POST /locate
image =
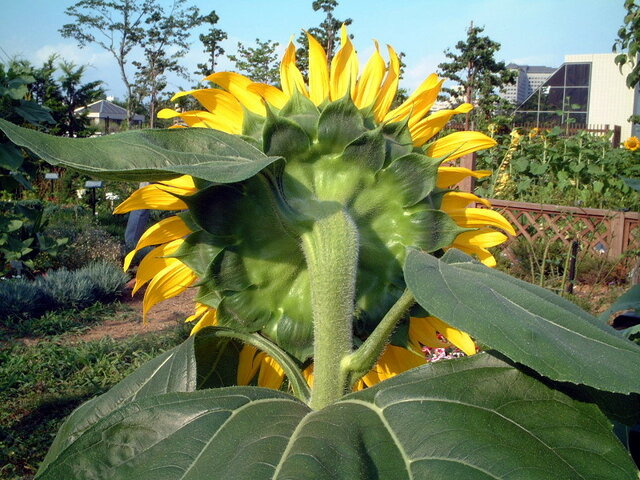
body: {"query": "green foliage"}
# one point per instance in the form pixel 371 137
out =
pixel 164 43
pixel 259 63
pixel 627 45
pixel 23 238
pixel 310 245
pixel 211 42
pixel 477 75
pixel 583 170
pixel 363 435
pixel 41 384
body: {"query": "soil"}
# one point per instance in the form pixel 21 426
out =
pixel 162 316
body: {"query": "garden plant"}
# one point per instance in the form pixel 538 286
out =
pixel 332 261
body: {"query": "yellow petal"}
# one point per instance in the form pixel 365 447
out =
pixel 418 104
pixel 449 176
pixel 428 127
pixel 484 237
pixel 458 144
pixel 155 261
pixel 393 361
pixel 201 309
pixel 228 121
pixel 389 87
pixel 476 243
pixel 209 319
pixel 482 253
pixel 169 282
pixel 318 72
pixel 185 183
pixel 307 373
pixel 424 330
pixel 152 197
pixel 237 85
pixel 248 364
pixel 164 231
pixel 368 86
pixel 290 77
pixel 272 95
pixel 217 101
pixel 480 217
pixel 344 69
pixel 456 200
pixel 271 373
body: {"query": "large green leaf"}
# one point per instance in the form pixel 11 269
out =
pixel 474 418
pixel 202 361
pixel 528 324
pixel 148 154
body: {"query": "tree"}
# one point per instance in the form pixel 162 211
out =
pixel 211 42
pixel 326 33
pixel 116 26
pixel 477 74
pixel 628 42
pixel 164 31
pixel 260 63
pixel 73 95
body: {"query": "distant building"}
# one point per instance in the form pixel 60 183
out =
pixel 586 90
pixel 528 79
pixel 108 117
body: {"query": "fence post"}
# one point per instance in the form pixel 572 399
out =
pixel 468 184
pixel 616 226
pixel 615 140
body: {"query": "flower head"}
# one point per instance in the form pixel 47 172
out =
pixel 343 147
pixel 632 143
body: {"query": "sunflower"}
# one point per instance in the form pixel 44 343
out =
pixel 344 147
pixel 632 143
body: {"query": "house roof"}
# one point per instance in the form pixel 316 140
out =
pixel 106 109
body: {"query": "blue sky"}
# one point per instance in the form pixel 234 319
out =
pixel 534 32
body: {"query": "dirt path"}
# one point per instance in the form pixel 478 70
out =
pixel 162 316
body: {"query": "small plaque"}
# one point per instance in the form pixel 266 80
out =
pixel 93 184
pixel 51 176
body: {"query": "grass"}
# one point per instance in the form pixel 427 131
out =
pixel 62 321
pixel 41 384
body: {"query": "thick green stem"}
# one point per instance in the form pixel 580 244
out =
pixel 362 360
pixel 331 252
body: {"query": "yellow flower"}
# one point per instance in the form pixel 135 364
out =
pixel 632 143
pixel 373 90
pixel 534 132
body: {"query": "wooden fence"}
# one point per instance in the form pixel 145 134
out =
pixel 607 232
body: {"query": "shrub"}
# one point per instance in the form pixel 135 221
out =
pixel 61 289
pixel 92 245
pixel 20 297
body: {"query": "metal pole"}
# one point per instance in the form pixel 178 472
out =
pixel 572 265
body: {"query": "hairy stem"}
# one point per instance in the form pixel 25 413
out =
pixel 331 252
pixel 362 360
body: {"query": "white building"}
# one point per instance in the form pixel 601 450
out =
pixel 587 89
pixel 528 79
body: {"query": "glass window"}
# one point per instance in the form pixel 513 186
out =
pixel 549 119
pixel 557 79
pixel 530 104
pixel 577 99
pixel 578 74
pixel 579 119
pixel 551 98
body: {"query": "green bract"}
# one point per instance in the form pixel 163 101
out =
pixel 334 160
